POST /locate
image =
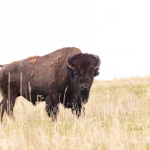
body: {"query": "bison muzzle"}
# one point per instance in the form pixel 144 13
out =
pixel 63 76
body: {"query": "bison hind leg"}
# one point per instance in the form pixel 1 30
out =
pixel 51 110
pixel 10 106
pixel 49 106
pixel 2 108
pixel 55 113
pixel 7 106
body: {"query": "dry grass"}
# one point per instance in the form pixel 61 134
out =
pixel 117 118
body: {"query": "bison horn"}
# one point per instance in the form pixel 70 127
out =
pixel 69 66
pixel 99 62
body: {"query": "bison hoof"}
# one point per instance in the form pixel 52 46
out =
pixel 55 113
pixel 54 118
pixel 12 118
pixel 76 112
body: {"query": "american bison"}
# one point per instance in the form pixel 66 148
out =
pixel 63 76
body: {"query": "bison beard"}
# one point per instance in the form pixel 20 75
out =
pixel 64 76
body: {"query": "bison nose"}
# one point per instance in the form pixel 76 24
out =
pixel 85 88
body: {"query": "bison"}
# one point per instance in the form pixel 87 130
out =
pixel 63 76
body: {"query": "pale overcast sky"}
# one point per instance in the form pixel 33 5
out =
pixel 117 31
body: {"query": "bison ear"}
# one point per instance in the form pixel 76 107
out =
pixel 96 68
pixel 96 72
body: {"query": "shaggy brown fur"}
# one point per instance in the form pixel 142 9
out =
pixel 50 77
pixel 83 62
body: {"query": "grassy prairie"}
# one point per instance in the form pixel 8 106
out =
pixel 117 118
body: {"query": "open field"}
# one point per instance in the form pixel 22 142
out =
pixel 117 118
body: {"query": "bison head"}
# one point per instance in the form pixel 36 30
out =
pixel 82 68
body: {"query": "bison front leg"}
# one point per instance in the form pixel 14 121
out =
pixel 76 109
pixel 52 106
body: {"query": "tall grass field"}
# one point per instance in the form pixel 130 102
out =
pixel 117 117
